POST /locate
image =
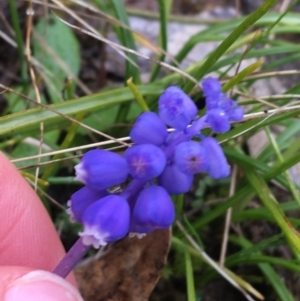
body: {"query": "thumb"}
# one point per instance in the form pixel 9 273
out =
pixel 18 283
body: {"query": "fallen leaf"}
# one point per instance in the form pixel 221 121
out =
pixel 129 271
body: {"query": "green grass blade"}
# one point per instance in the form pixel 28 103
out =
pixel 164 11
pixel 127 39
pixel 138 96
pixel 240 76
pixel 270 274
pixel 266 196
pixel 213 58
pixel 246 192
pixel 52 115
pixel 189 277
pixel 292 265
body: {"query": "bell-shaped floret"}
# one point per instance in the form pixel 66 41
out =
pixel 101 169
pixel 175 181
pixel 190 157
pixel 81 199
pixel 218 120
pixel 145 161
pixel 212 102
pixel 153 209
pixel 211 87
pixel 106 220
pixel 227 104
pixel 149 128
pixel 218 166
pixel 236 114
pixel 176 109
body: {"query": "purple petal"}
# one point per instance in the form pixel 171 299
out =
pixel 81 199
pixel 146 161
pixel 106 220
pixel 154 209
pixel 236 114
pixel 227 105
pixel 176 109
pixel 211 87
pixel 101 169
pixel 218 166
pixel 175 181
pixel 190 157
pixel 149 128
pixel 218 120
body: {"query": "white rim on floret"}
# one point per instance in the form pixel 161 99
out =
pixel 80 173
pixel 135 234
pixel 92 236
pixel 70 212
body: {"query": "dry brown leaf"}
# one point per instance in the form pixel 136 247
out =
pixel 128 272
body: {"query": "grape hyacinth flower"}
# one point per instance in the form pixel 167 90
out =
pixel 176 109
pixel 220 109
pixel 153 210
pixel 158 165
pixel 81 199
pixel 106 220
pixel 101 169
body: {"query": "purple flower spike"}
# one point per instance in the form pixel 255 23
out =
pixel 211 87
pixel 81 199
pixel 101 169
pixel 218 166
pixel 149 128
pixel 146 161
pixel 153 209
pixel 176 109
pixel 190 157
pixel 218 120
pixel 175 181
pixel 106 220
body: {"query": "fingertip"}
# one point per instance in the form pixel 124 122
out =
pixel 40 285
pixel 27 234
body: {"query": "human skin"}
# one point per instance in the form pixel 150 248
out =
pixel 29 244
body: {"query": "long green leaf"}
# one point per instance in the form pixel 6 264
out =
pixel 127 40
pixel 270 274
pixel 269 201
pixel 30 119
pixel 213 58
pixel 164 10
pixel 245 192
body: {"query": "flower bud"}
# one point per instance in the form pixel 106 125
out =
pixel 81 199
pixel 227 104
pixel 106 220
pixel 153 209
pixel 176 109
pixel 175 181
pixel 236 114
pixel 211 87
pixel 190 157
pixel 101 169
pixel 145 161
pixel 212 102
pixel 218 120
pixel 218 167
pixel 149 128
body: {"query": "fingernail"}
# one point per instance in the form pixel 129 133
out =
pixel 41 285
